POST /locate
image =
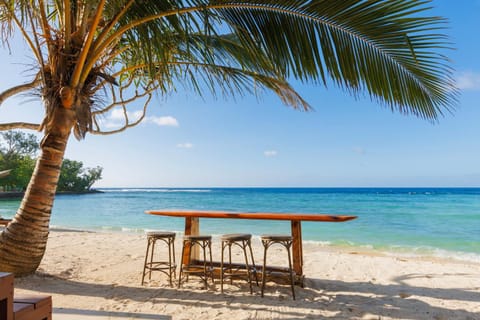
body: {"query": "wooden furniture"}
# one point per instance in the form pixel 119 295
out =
pixel 228 270
pixel 4 222
pixel 24 307
pixel 286 242
pixel 192 226
pixel 6 296
pixel 189 266
pixel 166 266
pixel 32 308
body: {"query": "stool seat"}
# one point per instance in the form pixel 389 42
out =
pixel 161 234
pixel 276 237
pixel 236 237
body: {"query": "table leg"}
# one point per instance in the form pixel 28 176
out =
pixel 297 250
pixel 192 227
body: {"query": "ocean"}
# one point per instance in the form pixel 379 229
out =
pixel 442 222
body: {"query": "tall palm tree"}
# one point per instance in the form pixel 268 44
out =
pixel 94 57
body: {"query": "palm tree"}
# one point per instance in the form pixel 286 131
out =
pixel 94 57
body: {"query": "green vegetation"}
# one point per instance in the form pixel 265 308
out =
pixel 75 178
pixel 18 152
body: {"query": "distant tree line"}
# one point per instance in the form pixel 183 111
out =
pixel 18 152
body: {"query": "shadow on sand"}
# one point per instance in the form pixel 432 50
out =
pixel 336 299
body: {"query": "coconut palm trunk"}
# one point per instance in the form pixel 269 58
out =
pixel 24 240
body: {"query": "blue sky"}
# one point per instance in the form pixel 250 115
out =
pixel 345 142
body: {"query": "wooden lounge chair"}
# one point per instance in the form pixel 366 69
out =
pixel 4 222
pixel 26 307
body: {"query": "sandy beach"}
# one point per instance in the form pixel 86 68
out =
pixel 93 275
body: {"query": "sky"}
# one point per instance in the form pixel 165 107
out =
pixel 187 141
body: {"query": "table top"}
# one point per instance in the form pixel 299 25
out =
pixel 253 215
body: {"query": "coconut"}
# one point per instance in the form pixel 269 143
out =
pixel 66 95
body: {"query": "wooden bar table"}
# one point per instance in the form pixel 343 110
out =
pixel 192 226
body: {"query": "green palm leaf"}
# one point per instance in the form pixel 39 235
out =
pixel 384 48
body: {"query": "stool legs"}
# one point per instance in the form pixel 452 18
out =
pixel 254 268
pixel 286 243
pixel 243 244
pixel 180 273
pixel 290 269
pixel 206 270
pixel 167 267
pixel 145 263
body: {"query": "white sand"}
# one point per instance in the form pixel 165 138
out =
pixel 97 276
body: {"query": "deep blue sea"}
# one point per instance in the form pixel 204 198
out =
pixel 425 221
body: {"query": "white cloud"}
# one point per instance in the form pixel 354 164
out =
pixel 468 80
pixel 116 114
pixel 270 153
pixel 186 145
pixel 163 121
pixel 116 119
pixel 110 124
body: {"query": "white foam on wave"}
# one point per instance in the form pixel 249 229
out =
pixel 321 243
pixel 389 250
pixel 402 251
pixel 424 251
pixel 435 253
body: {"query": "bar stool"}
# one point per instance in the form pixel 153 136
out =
pixel 243 241
pixel 167 267
pixel 285 241
pixel 201 270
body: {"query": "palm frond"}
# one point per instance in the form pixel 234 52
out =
pixel 232 82
pixel 227 69
pixel 382 47
pixel 387 49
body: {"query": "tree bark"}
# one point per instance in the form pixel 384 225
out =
pixel 24 240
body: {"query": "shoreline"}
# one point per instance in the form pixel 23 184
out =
pixel 96 275
pixel 393 251
pixel 407 252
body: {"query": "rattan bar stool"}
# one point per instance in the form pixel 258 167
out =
pixel 204 269
pixel 285 241
pixel 167 267
pixel 231 271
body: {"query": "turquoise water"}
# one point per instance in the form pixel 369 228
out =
pixel 433 221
